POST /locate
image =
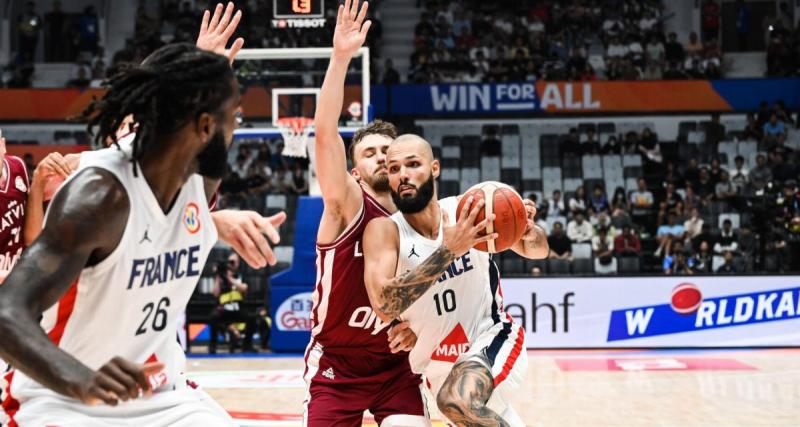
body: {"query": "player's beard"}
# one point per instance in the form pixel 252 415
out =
pixel 212 162
pixel 380 183
pixel 416 203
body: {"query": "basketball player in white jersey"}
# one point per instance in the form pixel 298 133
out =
pixel 420 269
pixel 123 245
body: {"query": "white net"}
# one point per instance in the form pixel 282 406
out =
pixel 296 132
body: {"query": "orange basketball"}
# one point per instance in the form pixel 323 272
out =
pixel 510 215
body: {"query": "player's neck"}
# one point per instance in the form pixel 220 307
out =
pixel 426 221
pixel 161 169
pixel 383 198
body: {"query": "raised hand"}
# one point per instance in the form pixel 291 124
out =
pixel 351 30
pixel 214 34
pixel 465 234
pixel 245 231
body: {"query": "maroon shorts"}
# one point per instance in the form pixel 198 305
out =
pixel 340 387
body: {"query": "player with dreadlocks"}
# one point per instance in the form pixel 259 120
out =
pixel 123 245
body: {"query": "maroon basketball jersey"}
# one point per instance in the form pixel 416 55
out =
pixel 13 196
pixel 342 316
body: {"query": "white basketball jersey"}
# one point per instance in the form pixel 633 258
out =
pixel 129 304
pixel 455 310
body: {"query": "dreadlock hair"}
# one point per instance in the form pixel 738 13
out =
pixel 172 86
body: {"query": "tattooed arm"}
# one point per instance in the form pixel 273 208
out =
pixel 391 294
pixel 533 244
pixel 86 222
pixel 464 395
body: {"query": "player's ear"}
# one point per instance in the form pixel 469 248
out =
pixel 205 125
pixel 355 174
pixel 435 168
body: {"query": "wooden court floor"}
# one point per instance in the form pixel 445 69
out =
pixel 566 388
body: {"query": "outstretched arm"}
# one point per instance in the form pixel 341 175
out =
pixel 391 294
pixel 340 192
pixel 82 229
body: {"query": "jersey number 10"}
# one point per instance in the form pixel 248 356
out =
pixel 446 301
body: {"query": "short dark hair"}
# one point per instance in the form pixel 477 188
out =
pixel 376 127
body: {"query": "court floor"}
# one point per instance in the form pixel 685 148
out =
pixel 565 388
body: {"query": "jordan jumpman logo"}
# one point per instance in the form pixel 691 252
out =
pixel 413 252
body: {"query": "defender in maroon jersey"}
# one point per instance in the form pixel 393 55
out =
pixel 350 367
pixel 14 187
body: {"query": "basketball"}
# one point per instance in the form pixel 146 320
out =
pixel 686 298
pixel 510 215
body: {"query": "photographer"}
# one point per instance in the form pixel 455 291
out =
pixel 229 291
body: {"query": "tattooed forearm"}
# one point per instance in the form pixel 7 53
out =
pixel 464 394
pixel 539 238
pixel 403 290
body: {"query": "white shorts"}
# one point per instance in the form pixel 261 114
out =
pixel 186 407
pixel 502 350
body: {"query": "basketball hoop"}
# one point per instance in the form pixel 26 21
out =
pixel 296 132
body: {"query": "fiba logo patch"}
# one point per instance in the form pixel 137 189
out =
pixel 20 184
pixel 191 218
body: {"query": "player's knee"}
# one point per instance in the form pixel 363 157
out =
pixel 406 421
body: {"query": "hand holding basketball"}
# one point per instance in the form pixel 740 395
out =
pixel 118 380
pixel 351 30
pixel 466 234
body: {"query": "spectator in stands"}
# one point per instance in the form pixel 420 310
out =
pixel 692 173
pixel 619 201
pixel 598 201
pixel 715 131
pixel 748 246
pixel 727 240
pixel 631 143
pixel 390 75
pixel 774 130
pixel 710 20
pixel 299 184
pixel 490 146
pixel 281 181
pixel 776 248
pixel 230 290
pixel 705 187
pixel 715 171
pixel 693 46
pixel 675 260
pixel 673 72
pixel 671 197
pixel 556 205
pixel 671 230
pixel 82 76
pixel 694 225
pixel 674 52
pixel 728 267
pixel 761 174
pixel 725 190
pixel 90 31
pixel 752 130
pixel 652 71
pixel 560 244
pixel 627 243
pixel 55 30
pixel 742 24
pixel 603 252
pixel 579 230
pixel 672 175
pixel 578 202
pixel 701 259
pixel 642 203
pixel 781 171
pixel 28 27
pixel 739 174
pixel 603 220
pixel 590 144
pixel 691 199
pixel 655 51
pixel 612 146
